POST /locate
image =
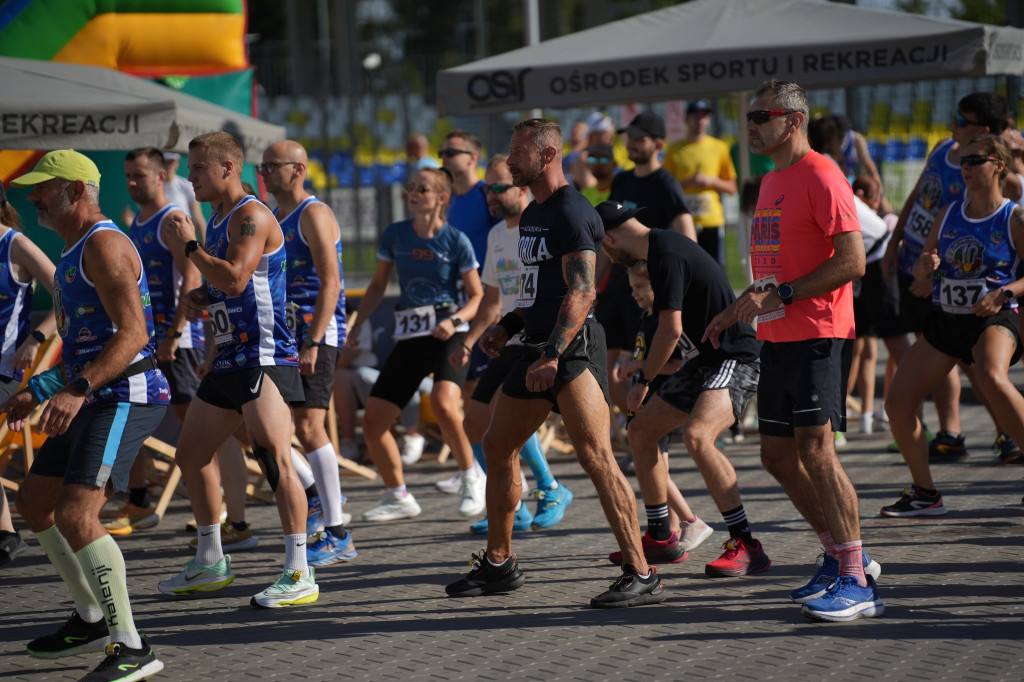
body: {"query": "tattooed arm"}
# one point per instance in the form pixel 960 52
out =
pixel 578 272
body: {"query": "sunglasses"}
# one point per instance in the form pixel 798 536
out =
pixel 418 189
pixel 598 159
pixel 451 153
pixel 271 166
pixel 763 115
pixel 498 188
pixel 962 121
pixel 973 160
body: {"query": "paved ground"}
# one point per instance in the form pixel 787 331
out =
pixel 953 589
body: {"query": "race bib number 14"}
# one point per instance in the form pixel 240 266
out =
pixel 527 286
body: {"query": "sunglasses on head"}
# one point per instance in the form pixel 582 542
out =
pixel 598 159
pixel 962 121
pixel 418 189
pixel 498 188
pixel 764 115
pixel 450 153
pixel 973 160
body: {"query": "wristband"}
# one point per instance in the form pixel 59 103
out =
pixel 512 323
pixel 46 384
pixel 640 379
pixel 38 336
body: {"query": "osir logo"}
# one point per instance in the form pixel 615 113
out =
pixel 497 86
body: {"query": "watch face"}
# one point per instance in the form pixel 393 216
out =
pixel 550 352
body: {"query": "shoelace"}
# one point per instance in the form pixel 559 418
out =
pixel 839 585
pixel 624 581
pixel 731 547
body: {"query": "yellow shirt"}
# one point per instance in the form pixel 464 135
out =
pixel 709 156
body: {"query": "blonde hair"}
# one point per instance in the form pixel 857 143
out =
pixel 221 146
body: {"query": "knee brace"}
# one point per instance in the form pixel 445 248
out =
pixel 264 456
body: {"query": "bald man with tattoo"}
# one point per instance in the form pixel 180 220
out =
pixel 563 369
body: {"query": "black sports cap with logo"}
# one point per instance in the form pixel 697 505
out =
pixel 646 124
pixel 613 213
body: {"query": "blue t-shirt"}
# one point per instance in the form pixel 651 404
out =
pixel 468 213
pixel 86 329
pixel 163 278
pixel 304 282
pixel 15 309
pixel 429 270
pixel 250 329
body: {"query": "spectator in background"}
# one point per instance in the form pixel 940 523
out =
pixel 417 153
pixel 179 192
pixel 854 158
pixel 600 159
pixel 703 167
pixel 600 130
pixel 575 147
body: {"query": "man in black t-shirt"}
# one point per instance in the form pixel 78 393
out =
pixel 562 368
pixel 707 394
pixel 653 188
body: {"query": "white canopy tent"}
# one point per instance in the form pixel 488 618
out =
pixel 52 105
pixel 715 47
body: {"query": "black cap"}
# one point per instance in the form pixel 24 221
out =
pixel 614 214
pixel 601 149
pixel 646 124
pixel 697 105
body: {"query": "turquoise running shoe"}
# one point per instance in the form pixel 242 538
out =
pixel 551 506
pixel 523 521
pixel 199 578
pixel 291 589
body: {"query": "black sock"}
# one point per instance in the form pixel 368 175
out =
pixel 337 531
pixel 240 525
pixel 138 496
pixel 736 520
pixel 927 492
pixel 657 521
pixel 311 491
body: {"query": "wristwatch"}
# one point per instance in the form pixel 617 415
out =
pixel 640 379
pixel 40 337
pixel 190 247
pixel 785 292
pixel 175 334
pixel 455 320
pixel 310 341
pixel 82 385
pixel 549 351
pixel 1008 295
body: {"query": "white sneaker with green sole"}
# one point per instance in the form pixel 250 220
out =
pixel 291 589
pixel 198 577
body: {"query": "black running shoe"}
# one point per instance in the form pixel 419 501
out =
pixel 947 447
pixel 631 590
pixel 123 664
pixel 1008 451
pixel 486 579
pixel 12 545
pixel 73 638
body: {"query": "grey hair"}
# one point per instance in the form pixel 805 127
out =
pixel 543 132
pixel 787 95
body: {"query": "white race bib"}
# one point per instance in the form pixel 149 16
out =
pixel 768 284
pixel 220 322
pixel 291 316
pixel 919 224
pixel 527 293
pixel 958 296
pixel 687 347
pixel 415 322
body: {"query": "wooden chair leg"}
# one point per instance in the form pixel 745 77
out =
pixel 170 487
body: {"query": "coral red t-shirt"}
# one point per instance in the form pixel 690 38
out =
pixel 799 211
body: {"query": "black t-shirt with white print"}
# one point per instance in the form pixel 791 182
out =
pixel 684 277
pixel 565 222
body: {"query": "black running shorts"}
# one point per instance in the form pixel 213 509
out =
pixel 803 383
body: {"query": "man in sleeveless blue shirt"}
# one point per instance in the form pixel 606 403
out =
pixel 255 372
pixel 316 317
pixel 104 400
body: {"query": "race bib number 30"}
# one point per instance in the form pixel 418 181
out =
pixel 768 284
pixel 220 323
pixel 527 286
pixel 414 322
pixel 958 296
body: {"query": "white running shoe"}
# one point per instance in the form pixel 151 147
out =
pixel 450 485
pixel 473 492
pixel 392 508
pixel 291 589
pixel 199 578
pixel 412 448
pixel 692 534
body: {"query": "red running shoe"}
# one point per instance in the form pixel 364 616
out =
pixel 739 558
pixel 657 551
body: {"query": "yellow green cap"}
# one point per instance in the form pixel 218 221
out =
pixel 66 164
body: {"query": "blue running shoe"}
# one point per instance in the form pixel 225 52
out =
pixel 828 571
pixel 330 549
pixel 314 515
pixel 551 506
pixel 844 601
pixel 523 521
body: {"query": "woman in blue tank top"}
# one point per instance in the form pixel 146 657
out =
pixel 969 266
pixel 21 261
pixel 432 259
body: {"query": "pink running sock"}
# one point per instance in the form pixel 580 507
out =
pixel 828 543
pixel 851 561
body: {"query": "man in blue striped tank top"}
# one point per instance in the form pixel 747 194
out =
pixel 255 372
pixel 316 317
pixel 105 399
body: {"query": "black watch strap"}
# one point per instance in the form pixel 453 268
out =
pixel 38 335
pixel 190 247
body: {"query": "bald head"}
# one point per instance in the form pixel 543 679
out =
pixel 284 168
